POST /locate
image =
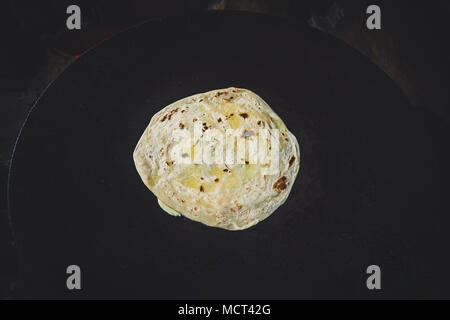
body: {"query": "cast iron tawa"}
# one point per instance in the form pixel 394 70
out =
pixel 370 189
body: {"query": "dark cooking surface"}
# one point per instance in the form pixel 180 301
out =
pixel 369 190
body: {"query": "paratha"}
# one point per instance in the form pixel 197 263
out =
pixel 223 158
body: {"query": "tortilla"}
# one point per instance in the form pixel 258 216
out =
pixel 222 158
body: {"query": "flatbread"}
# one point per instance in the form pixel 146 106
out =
pixel 198 157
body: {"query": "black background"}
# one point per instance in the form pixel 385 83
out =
pixel 372 187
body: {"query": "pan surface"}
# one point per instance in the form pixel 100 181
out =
pixel 369 191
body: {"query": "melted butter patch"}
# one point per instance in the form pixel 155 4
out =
pixel 231 113
pixel 191 182
pixel 191 177
pixel 216 172
pixel 251 170
pixel 153 180
pixel 234 121
pixel 230 182
pixel 210 187
pixel 239 175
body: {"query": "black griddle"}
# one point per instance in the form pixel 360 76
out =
pixel 370 189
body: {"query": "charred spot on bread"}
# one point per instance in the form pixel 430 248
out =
pixel 169 115
pixel 281 184
pixel 291 161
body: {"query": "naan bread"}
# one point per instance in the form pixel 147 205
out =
pixel 232 195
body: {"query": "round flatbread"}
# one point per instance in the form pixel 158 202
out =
pixel 223 158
